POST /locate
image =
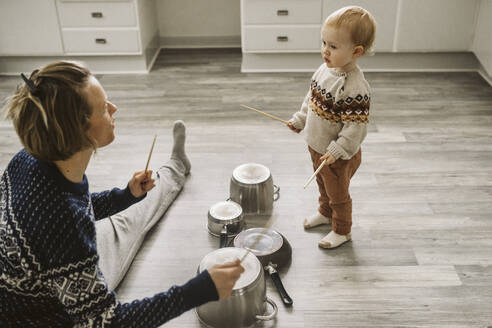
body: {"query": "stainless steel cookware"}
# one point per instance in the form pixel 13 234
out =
pixel 225 219
pixel 252 187
pixel 248 301
pixel 273 252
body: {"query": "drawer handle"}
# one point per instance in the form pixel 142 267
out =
pixel 97 15
pixel 101 41
pixel 282 13
pixel 282 38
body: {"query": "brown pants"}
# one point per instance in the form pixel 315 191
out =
pixel 333 183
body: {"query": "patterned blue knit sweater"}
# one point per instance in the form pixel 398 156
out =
pixel 49 274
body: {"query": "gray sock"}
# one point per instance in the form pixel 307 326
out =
pixel 179 134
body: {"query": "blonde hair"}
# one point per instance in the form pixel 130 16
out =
pixel 360 24
pixel 50 111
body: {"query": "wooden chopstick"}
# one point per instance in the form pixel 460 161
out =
pixel 150 154
pixel 266 114
pixel 314 174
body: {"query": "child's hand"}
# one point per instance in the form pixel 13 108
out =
pixel 290 126
pixel 140 183
pixel 329 158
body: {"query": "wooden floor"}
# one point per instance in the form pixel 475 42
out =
pixel 421 254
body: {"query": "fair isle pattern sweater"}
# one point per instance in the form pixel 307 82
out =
pixel 335 112
pixel 49 274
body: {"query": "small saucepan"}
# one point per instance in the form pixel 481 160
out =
pixel 273 251
pixel 252 187
pixel 225 219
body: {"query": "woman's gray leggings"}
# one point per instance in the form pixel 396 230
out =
pixel 120 236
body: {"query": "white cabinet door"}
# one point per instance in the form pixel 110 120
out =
pixel 436 25
pixel 384 12
pixel 29 27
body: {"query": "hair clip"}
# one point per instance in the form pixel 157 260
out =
pixel 30 84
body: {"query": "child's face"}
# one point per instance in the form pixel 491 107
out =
pixel 337 48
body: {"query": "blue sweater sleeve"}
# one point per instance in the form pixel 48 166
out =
pixel 109 202
pixel 162 307
pixel 83 293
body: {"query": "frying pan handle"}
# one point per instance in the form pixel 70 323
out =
pixel 276 192
pixel 271 315
pixel 280 286
pixel 223 237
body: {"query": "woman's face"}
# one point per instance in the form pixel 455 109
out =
pixel 101 120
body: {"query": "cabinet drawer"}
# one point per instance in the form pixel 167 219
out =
pixel 295 38
pixel 100 41
pixel 281 12
pixel 96 14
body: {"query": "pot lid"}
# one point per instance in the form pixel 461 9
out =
pixel 251 173
pixel 251 264
pixel 260 241
pixel 226 210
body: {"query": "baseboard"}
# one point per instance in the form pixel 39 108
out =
pixel 200 42
pixel 253 62
pixel 483 73
pixel 381 62
pixel 97 64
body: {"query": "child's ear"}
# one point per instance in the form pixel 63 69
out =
pixel 358 51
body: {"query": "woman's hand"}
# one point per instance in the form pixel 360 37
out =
pixel 225 276
pixel 329 158
pixel 140 183
pixel 291 126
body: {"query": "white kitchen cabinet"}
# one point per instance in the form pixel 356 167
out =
pixel 110 36
pixel 103 27
pixel 29 27
pixel 384 12
pixel 436 25
pixel 280 25
pixel 283 35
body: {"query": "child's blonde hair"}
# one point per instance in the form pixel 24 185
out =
pixel 359 22
pixel 50 111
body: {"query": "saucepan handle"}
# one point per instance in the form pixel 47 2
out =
pixel 271 315
pixel 223 237
pixel 281 289
pixel 276 192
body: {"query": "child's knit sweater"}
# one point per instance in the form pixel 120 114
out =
pixel 335 112
pixel 49 274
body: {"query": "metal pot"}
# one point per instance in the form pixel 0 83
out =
pixel 225 219
pixel 252 187
pixel 272 250
pixel 248 301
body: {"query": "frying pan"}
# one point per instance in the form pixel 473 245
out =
pixel 273 251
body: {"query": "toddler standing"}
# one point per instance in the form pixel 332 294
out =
pixel 334 115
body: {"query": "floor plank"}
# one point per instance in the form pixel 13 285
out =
pixel 422 252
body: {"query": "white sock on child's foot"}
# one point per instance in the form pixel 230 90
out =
pixel 179 134
pixel 333 240
pixel 316 220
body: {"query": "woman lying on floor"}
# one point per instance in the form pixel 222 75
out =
pixel 63 250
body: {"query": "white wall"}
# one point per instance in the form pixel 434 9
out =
pixel 198 18
pixel 482 43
